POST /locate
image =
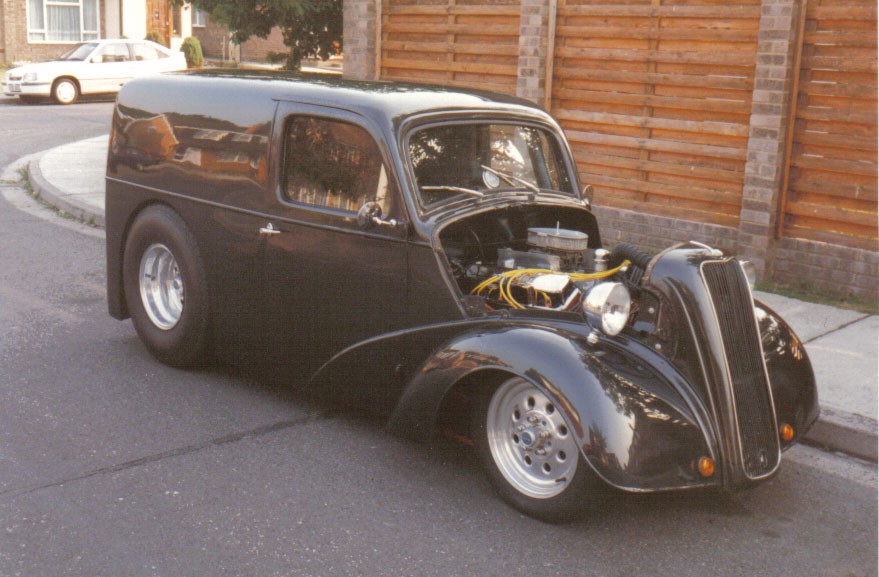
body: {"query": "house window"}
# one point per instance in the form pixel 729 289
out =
pixel 199 17
pixel 63 20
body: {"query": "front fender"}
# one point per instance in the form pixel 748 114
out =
pixel 790 373
pixel 636 421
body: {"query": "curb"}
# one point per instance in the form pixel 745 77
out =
pixel 845 433
pixel 57 198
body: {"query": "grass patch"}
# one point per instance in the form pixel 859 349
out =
pixel 25 183
pixel 805 292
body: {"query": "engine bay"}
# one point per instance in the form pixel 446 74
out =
pixel 529 257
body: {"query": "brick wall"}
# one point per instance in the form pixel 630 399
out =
pixel 215 43
pixel 14 45
pixel 14 36
pixel 359 30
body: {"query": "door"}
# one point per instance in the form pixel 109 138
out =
pixel 107 69
pixel 331 282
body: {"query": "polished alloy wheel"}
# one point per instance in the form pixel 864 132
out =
pixel 530 441
pixel 161 286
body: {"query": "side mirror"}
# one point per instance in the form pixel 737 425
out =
pixel 370 215
pixel 586 195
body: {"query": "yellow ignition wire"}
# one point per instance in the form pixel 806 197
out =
pixel 505 280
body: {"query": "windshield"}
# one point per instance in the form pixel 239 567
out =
pixel 81 52
pixel 478 159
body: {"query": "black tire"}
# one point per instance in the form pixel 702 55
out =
pixel 555 504
pixel 177 334
pixel 65 91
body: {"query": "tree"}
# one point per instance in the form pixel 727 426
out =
pixel 310 27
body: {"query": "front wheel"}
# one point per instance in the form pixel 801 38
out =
pixel 166 288
pixel 532 457
pixel 65 91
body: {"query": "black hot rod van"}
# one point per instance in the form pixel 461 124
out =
pixel 430 253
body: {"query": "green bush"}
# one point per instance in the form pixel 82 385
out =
pixel 191 49
pixel 156 37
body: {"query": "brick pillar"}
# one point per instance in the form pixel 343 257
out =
pixel 770 114
pixel 534 33
pixel 358 38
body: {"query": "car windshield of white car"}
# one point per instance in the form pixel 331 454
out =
pixel 477 159
pixel 81 52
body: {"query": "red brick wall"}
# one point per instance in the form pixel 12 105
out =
pixel 214 43
pixel 14 45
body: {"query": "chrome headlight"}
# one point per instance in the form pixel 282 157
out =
pixel 607 307
pixel 30 77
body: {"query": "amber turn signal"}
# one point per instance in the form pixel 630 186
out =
pixel 706 466
pixel 787 433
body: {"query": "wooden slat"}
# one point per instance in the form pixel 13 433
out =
pixel 728 59
pixel 724 82
pixel 719 128
pixel 657 145
pixel 449 47
pixel 486 30
pixel 658 33
pixel 651 166
pixel 674 11
pixel 654 101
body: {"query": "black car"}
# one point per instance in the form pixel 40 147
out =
pixel 429 253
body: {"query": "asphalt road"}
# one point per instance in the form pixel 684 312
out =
pixel 113 464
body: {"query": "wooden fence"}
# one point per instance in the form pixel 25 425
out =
pixel 832 193
pixel 656 98
pixel 472 43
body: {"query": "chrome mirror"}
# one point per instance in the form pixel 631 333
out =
pixel 370 215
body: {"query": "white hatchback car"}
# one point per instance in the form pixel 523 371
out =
pixel 97 67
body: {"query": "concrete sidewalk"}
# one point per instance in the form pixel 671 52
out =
pixel 842 344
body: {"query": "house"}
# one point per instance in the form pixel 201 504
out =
pixel 216 41
pixel 34 30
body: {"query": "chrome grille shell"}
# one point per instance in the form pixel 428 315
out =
pixel 744 371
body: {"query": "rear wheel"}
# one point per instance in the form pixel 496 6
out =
pixel 65 91
pixel 165 287
pixel 532 457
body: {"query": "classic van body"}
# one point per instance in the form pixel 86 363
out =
pixel 428 253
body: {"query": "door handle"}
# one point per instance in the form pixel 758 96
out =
pixel 269 230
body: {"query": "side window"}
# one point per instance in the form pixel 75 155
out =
pixel 333 164
pixel 114 53
pixel 145 52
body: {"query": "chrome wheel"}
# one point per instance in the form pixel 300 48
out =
pixel 161 287
pixel 529 440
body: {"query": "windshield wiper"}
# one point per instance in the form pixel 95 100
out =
pixel 511 179
pixel 448 188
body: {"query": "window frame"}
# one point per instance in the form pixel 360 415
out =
pixel 429 121
pixel 394 191
pixel 199 18
pixel 85 34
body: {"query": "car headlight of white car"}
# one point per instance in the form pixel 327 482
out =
pixel 30 77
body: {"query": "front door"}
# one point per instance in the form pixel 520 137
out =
pixel 331 283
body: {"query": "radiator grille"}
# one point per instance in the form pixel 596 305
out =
pixel 750 388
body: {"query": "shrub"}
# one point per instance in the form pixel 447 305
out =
pixel 155 37
pixel 191 49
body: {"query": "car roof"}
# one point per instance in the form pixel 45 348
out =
pixel 371 98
